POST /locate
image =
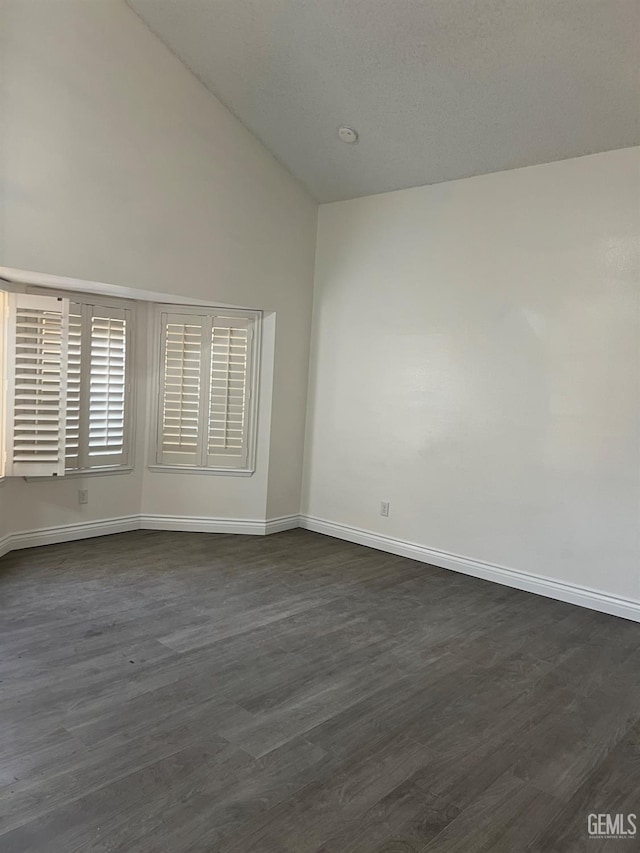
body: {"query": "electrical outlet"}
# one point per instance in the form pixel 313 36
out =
pixel 384 509
pixel 83 496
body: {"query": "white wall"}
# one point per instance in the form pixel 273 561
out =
pixel 118 166
pixel 475 361
pixel 475 345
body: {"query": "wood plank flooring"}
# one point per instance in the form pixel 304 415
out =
pixel 184 692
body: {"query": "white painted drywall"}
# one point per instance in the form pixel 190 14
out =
pixel 476 343
pixel 120 167
pixel 475 361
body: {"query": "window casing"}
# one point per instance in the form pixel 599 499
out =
pixel 207 373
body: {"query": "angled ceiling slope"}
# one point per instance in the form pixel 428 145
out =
pixel 437 89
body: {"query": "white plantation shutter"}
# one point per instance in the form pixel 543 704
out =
pixel 183 348
pixel 74 373
pixel 107 386
pixel 97 386
pixel 205 390
pixel 36 375
pixel 229 392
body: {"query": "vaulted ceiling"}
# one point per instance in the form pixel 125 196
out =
pixel 437 89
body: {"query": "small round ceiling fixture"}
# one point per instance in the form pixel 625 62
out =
pixel 347 134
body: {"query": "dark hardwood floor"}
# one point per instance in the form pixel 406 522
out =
pixel 190 692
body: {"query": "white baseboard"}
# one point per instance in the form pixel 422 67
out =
pixel 197 524
pixel 88 529
pixel 570 593
pixel 67 533
pixel 5 545
pixel 278 525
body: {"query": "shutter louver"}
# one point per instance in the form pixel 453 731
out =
pixel 37 328
pixel 229 392
pixel 107 386
pixel 180 415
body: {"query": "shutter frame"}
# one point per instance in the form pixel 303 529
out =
pixel 36 333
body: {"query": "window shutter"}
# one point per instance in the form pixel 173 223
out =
pixel 74 374
pixel 36 354
pixel 204 400
pixel 107 385
pixel 229 392
pixel 184 352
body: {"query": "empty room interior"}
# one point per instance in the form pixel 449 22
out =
pixel 319 426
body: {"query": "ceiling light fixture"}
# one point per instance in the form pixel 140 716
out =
pixel 347 134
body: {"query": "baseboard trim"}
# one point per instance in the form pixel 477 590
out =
pixel 569 593
pixel 196 524
pixel 202 524
pixel 104 527
pixel 284 522
pixel 5 545
pixel 67 533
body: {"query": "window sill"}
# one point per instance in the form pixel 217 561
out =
pixel 85 472
pixel 186 469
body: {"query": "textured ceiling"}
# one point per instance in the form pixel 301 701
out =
pixel 437 89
